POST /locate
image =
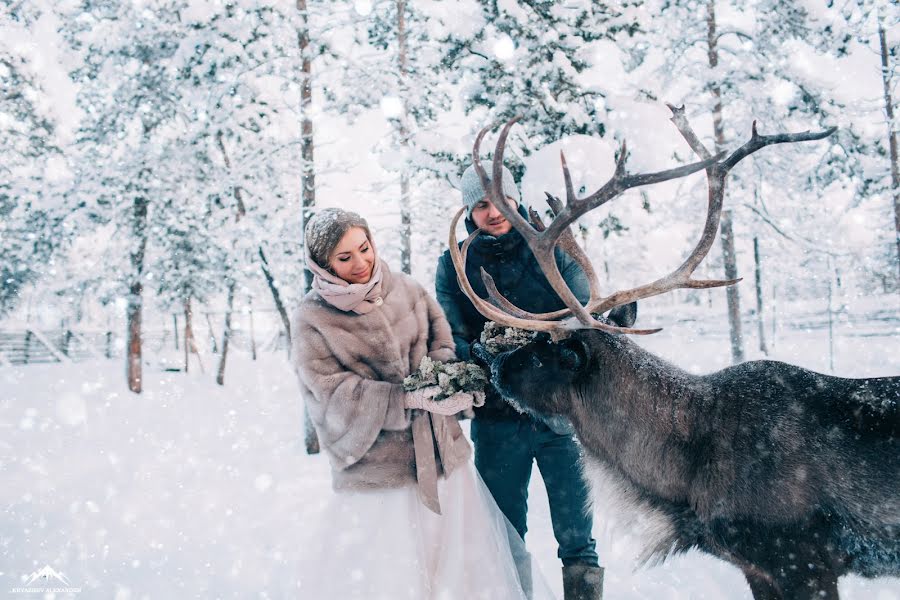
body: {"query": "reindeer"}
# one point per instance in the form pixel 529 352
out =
pixel 789 474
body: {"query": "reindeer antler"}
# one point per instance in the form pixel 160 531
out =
pixel 542 240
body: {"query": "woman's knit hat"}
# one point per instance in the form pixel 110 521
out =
pixel 326 228
pixel 473 192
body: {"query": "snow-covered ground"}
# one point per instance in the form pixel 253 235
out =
pixel 192 490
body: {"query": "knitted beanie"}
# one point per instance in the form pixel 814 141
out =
pixel 326 228
pixel 473 192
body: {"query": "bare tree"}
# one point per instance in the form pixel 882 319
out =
pixel 226 334
pixel 759 297
pixel 134 310
pixel 892 130
pixel 276 294
pixel 729 255
pixel 403 134
pixel 264 265
pixel 241 212
pixel 307 177
pixel 190 344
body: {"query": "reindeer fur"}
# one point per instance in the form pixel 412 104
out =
pixel 789 474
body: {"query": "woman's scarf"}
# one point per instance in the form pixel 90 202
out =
pixel 360 298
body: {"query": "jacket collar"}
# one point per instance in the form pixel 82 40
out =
pixel 495 246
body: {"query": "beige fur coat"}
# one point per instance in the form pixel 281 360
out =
pixel 351 369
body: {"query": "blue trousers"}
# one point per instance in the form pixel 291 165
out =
pixel 504 453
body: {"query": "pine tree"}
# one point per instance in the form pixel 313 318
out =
pixel 390 66
pixel 870 164
pixel 131 103
pixel 534 59
pixel 737 70
pixel 31 224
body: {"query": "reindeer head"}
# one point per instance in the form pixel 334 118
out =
pixel 540 377
pixel 549 364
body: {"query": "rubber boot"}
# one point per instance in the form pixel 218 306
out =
pixel 582 582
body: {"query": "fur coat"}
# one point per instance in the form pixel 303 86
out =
pixel 351 368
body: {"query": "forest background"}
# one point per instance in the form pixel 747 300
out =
pixel 160 158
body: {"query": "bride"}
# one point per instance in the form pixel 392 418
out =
pixel 411 517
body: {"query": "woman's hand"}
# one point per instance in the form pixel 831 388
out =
pixel 418 398
pixel 423 399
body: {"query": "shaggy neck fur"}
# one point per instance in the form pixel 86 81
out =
pixel 641 415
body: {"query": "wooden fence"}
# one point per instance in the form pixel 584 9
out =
pixel 32 346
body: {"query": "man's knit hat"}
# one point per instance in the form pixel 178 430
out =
pixel 473 193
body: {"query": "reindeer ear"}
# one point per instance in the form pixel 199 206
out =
pixel 623 316
pixel 573 354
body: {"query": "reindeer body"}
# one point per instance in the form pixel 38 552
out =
pixel 789 474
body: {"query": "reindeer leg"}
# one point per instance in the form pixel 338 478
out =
pixel 762 585
pixel 827 586
pixel 819 583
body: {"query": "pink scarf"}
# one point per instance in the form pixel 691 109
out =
pixel 360 298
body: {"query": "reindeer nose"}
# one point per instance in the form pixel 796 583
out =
pixel 481 355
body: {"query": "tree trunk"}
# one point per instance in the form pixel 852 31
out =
pixel 241 211
pixel 307 146
pixel 135 294
pixel 307 179
pixel 830 319
pixel 892 133
pixel 238 196
pixel 252 336
pixel 175 328
pixel 774 337
pixel 212 336
pixel 27 352
pixel 188 333
pixel 759 297
pixel 226 335
pixel 66 340
pixel 276 295
pixel 270 280
pixel 403 132
pixel 729 254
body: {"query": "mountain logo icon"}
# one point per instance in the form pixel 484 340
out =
pixel 47 573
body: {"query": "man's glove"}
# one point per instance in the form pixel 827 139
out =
pixel 423 399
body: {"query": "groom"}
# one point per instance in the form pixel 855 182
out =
pixel 507 442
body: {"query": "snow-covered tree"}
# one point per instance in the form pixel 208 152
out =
pixel 535 59
pixel 390 67
pixel 132 105
pixel 730 64
pixel 862 35
pixel 31 224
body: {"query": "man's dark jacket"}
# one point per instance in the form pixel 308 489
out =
pixel 515 270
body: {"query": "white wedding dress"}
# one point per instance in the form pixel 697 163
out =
pixel 385 544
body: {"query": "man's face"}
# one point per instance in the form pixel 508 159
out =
pixel 486 217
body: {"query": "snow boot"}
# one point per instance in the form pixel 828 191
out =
pixel 582 582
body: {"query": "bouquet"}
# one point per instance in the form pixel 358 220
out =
pixel 451 377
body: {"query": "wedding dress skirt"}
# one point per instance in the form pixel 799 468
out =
pixel 384 544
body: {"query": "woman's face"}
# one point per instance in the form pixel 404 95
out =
pixel 353 259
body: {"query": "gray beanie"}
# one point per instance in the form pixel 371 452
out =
pixel 326 228
pixel 473 192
